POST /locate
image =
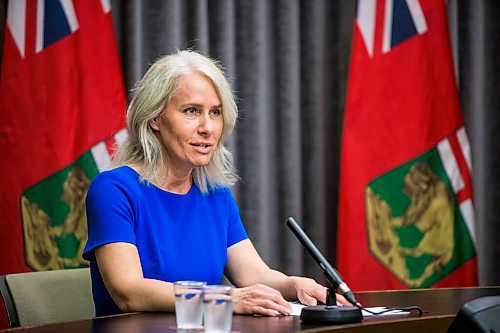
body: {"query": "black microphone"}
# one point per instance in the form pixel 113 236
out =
pixel 328 313
pixel 331 273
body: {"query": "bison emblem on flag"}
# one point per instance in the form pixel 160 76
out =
pixel 415 235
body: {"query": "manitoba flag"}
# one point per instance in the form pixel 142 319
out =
pixel 406 214
pixel 62 105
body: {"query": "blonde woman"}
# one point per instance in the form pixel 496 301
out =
pixel 166 213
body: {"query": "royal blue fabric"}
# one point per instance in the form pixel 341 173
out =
pixel 178 237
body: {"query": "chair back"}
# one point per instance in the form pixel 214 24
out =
pixel 35 298
pixel 481 315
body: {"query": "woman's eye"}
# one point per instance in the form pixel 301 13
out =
pixel 216 112
pixel 190 111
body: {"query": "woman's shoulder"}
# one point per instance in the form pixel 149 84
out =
pixel 220 192
pixel 120 176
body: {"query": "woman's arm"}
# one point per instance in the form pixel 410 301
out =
pixel 121 271
pixel 245 268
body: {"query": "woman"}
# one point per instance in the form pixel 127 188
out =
pixel 167 214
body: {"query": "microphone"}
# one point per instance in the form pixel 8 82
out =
pixel 329 313
pixel 331 273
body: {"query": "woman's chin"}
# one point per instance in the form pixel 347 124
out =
pixel 201 163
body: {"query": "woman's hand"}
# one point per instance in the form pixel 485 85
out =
pixel 309 292
pixel 260 299
pixel 341 300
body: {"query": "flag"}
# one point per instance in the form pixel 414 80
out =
pixel 62 105
pixel 406 214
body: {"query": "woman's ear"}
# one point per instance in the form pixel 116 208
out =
pixel 153 123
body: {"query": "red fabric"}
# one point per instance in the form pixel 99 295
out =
pixel 399 105
pixel 55 105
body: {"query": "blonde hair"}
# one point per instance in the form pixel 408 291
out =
pixel 150 97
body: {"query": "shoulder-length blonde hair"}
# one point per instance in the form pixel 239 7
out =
pixel 152 94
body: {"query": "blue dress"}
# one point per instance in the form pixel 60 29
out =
pixel 178 237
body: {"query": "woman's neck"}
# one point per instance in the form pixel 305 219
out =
pixel 171 180
pixel 174 183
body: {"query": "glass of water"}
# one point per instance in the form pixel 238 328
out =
pixel 189 304
pixel 218 308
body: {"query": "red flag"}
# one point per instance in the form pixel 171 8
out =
pixel 62 103
pixel 406 217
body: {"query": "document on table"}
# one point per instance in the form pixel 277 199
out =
pixel 297 307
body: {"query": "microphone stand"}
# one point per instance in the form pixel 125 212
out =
pixel 331 299
pixel 329 313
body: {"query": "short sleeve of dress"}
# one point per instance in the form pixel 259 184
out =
pixel 110 215
pixel 236 229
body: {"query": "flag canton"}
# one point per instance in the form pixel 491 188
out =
pixel 402 27
pixel 55 22
pixel 55 19
pixel 399 20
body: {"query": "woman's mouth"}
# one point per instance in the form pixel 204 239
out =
pixel 203 148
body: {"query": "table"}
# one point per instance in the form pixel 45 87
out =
pixel 440 307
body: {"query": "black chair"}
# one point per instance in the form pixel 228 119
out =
pixel 10 308
pixel 481 315
pixel 35 298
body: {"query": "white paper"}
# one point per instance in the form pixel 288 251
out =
pixel 382 308
pixel 297 307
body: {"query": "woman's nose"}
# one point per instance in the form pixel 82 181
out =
pixel 206 124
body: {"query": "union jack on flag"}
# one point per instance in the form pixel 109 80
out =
pixel 402 20
pixel 55 19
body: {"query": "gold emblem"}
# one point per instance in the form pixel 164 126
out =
pixel 431 211
pixel 42 251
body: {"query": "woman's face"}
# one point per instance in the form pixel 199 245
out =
pixel 191 124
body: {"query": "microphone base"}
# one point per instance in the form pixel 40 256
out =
pixel 331 314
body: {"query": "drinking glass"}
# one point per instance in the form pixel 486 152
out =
pixel 218 308
pixel 189 304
